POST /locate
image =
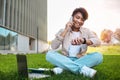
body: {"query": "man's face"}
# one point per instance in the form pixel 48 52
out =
pixel 78 20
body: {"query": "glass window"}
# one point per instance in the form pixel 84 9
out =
pixel 13 41
pixel 8 39
pixel 2 39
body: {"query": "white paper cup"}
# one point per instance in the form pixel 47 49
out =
pixel 74 50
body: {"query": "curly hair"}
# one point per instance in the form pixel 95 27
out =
pixel 82 11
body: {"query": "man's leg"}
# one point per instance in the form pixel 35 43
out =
pixel 62 61
pixel 90 60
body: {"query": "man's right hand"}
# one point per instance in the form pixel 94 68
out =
pixel 68 25
pixel 67 28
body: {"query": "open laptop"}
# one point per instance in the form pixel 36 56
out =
pixel 23 69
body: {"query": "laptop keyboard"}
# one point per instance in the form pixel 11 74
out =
pixel 37 75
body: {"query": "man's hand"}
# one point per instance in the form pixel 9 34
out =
pixel 77 41
pixel 68 25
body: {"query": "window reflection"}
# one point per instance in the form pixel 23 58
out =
pixel 2 39
pixel 8 40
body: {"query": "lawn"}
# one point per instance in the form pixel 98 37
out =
pixel 108 70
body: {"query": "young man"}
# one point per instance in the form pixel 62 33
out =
pixel 74 40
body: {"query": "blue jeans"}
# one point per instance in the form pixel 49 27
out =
pixel 72 63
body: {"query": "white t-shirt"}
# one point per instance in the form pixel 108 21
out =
pixel 75 35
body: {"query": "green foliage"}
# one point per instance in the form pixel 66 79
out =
pixel 108 70
pixel 106 50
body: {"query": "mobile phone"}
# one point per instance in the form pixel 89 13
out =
pixel 71 19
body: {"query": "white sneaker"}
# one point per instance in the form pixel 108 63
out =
pixel 89 72
pixel 57 70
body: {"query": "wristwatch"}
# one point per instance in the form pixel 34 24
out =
pixel 84 41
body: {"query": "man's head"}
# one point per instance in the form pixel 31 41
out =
pixel 82 11
pixel 79 16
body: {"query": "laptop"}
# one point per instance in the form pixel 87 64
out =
pixel 25 72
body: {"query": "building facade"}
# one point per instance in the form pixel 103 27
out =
pixel 23 26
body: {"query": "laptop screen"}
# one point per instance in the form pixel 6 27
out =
pixel 22 66
pixel 23 69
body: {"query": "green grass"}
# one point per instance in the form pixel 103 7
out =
pixel 108 70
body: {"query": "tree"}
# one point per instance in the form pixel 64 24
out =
pixel 117 34
pixel 106 35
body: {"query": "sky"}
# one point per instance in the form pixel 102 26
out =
pixel 103 14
